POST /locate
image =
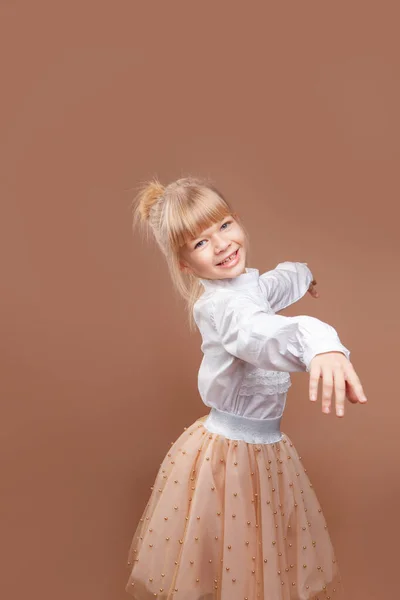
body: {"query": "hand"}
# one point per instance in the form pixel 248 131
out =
pixel 312 289
pixel 337 374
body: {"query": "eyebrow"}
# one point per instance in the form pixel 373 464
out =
pixel 204 233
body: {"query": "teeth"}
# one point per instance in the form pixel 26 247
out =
pixel 229 258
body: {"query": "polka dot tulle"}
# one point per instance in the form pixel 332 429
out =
pixel 230 520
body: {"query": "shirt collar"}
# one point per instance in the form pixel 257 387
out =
pixel 245 280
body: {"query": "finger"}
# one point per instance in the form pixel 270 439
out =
pixel 327 389
pixel 315 373
pixel 354 383
pixel 340 390
pixel 350 395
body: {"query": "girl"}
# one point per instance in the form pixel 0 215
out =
pixel 232 514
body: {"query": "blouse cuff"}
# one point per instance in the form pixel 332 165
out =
pixel 304 278
pixel 286 284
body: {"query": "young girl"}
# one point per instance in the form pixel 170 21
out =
pixel 232 514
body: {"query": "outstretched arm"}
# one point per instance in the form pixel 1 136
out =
pixel 286 284
pixel 302 343
pixel 271 342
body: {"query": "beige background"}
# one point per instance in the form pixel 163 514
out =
pixel 293 109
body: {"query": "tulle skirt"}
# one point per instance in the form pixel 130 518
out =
pixel 229 519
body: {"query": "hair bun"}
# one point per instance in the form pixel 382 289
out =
pixel 148 195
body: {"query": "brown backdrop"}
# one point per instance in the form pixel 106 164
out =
pixel 292 109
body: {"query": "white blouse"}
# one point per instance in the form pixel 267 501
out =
pixel 248 349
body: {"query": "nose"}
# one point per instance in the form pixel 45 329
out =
pixel 221 245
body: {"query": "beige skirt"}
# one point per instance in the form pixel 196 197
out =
pixel 230 519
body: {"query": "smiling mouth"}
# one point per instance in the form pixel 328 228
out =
pixel 229 258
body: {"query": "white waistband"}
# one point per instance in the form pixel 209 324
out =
pixel 246 429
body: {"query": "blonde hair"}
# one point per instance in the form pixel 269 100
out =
pixel 175 213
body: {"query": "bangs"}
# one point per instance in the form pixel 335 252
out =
pixel 192 214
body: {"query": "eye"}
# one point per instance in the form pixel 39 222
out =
pixel 226 223
pixel 223 226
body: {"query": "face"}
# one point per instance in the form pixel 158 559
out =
pixel 219 252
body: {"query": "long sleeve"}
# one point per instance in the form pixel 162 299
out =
pixel 271 342
pixel 286 284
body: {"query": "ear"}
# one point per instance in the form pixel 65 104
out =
pixel 184 267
